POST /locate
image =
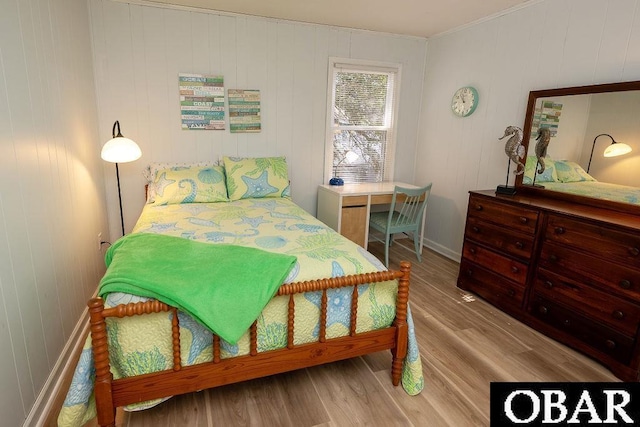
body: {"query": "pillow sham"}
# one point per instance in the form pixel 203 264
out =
pixel 260 177
pixel 150 173
pixel 571 172
pixel 204 184
pixel 531 169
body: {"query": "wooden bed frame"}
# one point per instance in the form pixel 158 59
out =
pixel 110 393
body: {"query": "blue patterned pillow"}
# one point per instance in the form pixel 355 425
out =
pixel 571 172
pixel 531 169
pixel 205 184
pixel 258 177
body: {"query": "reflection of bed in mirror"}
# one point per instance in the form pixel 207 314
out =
pixel 569 177
pixel 576 117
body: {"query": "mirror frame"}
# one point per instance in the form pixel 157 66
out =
pixel 575 90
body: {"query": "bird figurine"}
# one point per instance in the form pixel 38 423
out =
pixel 544 136
pixel 514 148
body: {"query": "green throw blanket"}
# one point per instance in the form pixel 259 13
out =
pixel 225 287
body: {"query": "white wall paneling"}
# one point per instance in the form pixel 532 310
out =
pixel 548 44
pixel 51 191
pixel 140 49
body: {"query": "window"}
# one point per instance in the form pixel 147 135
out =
pixel 361 137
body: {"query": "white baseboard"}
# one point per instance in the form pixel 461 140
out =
pixel 63 367
pixel 442 250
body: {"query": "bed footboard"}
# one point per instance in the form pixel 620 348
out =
pixel 110 393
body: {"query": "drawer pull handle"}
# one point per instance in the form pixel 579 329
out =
pixel 514 269
pixel 634 251
pixel 548 284
pixel 479 207
pixel 553 258
pixel 543 310
pixel 559 230
pixel 475 229
pixel 566 322
pixel 472 251
pixel 519 245
pixel 511 292
pixel 469 272
pixel 610 344
pixel 618 314
pixel 524 220
pixel 625 284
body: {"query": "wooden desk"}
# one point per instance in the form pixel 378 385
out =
pixel 346 208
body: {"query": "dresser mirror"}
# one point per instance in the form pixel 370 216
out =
pixel 579 124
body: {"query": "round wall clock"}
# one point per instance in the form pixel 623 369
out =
pixel 464 101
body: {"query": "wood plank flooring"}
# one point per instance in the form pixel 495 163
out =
pixel 464 342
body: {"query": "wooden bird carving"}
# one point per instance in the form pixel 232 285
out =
pixel 514 148
pixel 544 136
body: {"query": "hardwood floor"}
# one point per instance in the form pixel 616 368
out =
pixel 464 342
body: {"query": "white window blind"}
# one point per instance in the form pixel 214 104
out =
pixel 362 122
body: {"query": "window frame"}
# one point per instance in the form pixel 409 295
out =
pixel 359 65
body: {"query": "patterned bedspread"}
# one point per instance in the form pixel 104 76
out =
pixel 599 190
pixel 143 344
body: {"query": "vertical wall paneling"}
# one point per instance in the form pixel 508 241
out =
pixel 546 45
pixel 51 191
pixel 287 62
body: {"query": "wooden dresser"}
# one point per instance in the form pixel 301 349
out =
pixel 570 271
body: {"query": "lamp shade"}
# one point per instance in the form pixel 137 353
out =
pixel 120 149
pixel 617 149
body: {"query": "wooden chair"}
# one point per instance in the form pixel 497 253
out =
pixel 408 206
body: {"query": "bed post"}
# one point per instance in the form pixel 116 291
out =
pixel 102 389
pixel 399 352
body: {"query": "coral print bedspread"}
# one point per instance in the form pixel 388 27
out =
pixel 598 190
pixel 143 344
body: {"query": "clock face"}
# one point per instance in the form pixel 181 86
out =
pixel 464 101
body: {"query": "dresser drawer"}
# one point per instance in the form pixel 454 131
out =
pixel 597 336
pixel 495 289
pixel 505 215
pixel 496 262
pixel 600 272
pixel 622 315
pixel 500 238
pixel 611 244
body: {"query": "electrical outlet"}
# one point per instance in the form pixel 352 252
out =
pixel 99 242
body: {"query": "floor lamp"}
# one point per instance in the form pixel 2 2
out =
pixel 120 150
pixel 615 149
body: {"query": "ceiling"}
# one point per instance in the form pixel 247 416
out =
pixel 422 18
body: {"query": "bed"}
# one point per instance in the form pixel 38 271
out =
pixel 569 177
pixel 338 300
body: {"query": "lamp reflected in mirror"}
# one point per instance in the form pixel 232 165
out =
pixel 615 149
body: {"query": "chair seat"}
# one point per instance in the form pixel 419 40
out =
pixel 379 220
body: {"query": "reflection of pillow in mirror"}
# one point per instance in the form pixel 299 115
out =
pixel 549 174
pixel 571 172
pixel 205 184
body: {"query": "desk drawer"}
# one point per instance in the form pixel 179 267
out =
pixel 354 201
